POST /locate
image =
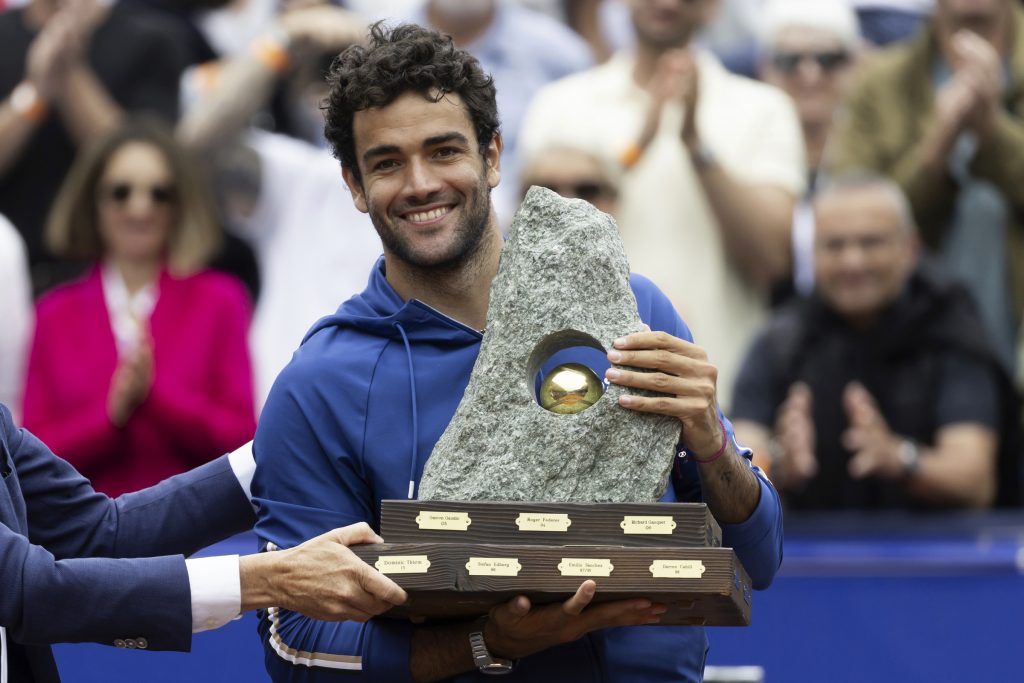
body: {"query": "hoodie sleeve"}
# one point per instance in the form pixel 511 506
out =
pixel 308 480
pixel 758 540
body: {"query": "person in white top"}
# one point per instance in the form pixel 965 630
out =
pixel 715 165
pixel 16 313
pixel 283 193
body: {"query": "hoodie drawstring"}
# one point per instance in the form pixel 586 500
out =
pixel 415 416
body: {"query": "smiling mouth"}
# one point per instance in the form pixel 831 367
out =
pixel 428 216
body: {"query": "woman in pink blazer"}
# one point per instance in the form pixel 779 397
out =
pixel 140 370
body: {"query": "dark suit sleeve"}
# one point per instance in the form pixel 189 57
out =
pixel 177 516
pixel 54 594
pixel 92 600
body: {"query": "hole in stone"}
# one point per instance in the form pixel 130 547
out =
pixel 567 370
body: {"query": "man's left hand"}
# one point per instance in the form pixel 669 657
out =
pixel 681 371
pixel 876 449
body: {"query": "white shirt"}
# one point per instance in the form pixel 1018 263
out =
pixel 214 581
pixel 667 226
pixel 16 314
pixel 314 248
pixel 129 313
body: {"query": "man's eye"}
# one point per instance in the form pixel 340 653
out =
pixel 447 152
pixel 385 164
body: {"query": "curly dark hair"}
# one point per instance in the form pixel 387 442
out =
pixel 397 60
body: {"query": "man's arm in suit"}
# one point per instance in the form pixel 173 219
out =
pixel 53 594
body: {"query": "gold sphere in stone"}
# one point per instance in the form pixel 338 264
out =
pixel 570 388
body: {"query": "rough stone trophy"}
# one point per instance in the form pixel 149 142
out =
pixel 531 491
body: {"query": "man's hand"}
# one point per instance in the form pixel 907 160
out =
pixel 679 369
pixel 321 28
pixel 676 78
pixel 516 629
pixel 795 437
pixel 876 449
pixel 321 578
pixel 977 63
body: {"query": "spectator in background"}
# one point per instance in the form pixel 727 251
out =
pixel 140 370
pixel 575 172
pixel 69 70
pixel 943 115
pixel 808 49
pixel 881 391
pixel 16 314
pixel 711 198
pixel 283 194
pixel 522 50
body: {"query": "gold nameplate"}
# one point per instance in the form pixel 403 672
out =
pixel 402 564
pixel 443 521
pixel 662 524
pixel 540 521
pixel 677 569
pixel 493 566
pixel 585 566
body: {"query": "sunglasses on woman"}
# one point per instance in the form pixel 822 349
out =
pixel 827 60
pixel 120 193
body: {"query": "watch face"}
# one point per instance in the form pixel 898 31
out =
pixel 496 668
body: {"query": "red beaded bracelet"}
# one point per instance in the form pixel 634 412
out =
pixel 716 456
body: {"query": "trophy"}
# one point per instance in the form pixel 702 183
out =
pixel 541 479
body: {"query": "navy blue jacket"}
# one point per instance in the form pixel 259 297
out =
pixel 353 419
pixel 57 540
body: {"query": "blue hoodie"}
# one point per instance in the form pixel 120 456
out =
pixel 351 421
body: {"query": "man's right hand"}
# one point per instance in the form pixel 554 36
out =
pixel 517 629
pixel 321 578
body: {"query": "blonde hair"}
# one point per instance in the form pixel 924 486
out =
pixel 72 229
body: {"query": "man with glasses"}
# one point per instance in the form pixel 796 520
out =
pixel 880 391
pixel 808 49
pixel 714 168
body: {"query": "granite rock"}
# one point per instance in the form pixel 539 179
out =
pixel 563 282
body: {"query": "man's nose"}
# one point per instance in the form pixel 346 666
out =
pixel 421 179
pixel 810 70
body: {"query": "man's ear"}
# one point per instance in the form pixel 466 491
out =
pixel 492 158
pixel 355 186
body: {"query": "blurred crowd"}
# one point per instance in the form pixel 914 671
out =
pixel 831 192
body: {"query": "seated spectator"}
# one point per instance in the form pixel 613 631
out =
pixel 140 370
pixel 943 115
pixel 808 49
pixel 715 168
pixel 282 194
pixel 881 391
pixel 16 314
pixel 574 172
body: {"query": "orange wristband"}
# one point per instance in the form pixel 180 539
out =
pixel 630 156
pixel 26 102
pixel 271 53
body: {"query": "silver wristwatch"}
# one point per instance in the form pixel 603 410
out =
pixel 910 457
pixel 487 664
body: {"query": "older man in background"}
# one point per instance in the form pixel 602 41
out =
pixel 881 391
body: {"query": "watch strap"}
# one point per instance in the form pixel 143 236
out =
pixel 482 657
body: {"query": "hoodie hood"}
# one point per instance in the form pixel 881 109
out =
pixel 380 311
